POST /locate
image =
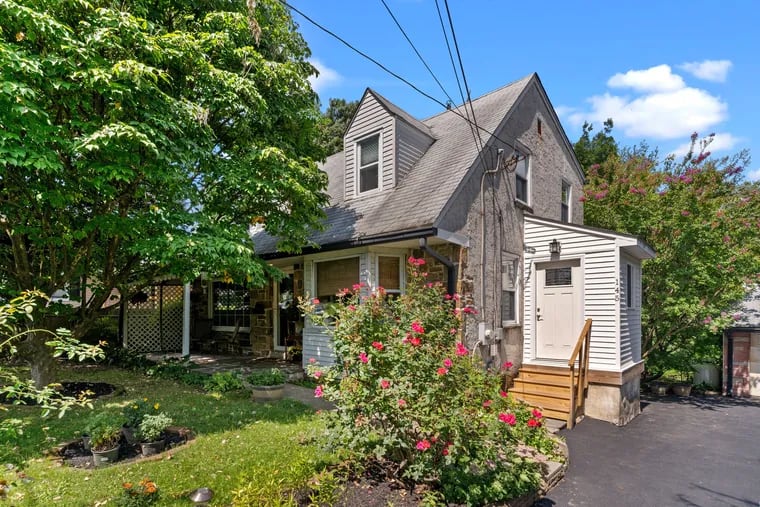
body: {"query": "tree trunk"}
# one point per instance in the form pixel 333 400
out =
pixel 40 358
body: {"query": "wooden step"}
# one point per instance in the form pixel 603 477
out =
pixel 554 389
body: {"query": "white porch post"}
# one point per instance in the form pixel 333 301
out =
pixel 186 322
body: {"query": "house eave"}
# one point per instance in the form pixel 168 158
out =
pixel 357 242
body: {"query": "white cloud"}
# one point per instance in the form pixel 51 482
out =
pixel 564 111
pixel 753 175
pixel 661 106
pixel 722 141
pixel 653 79
pixel 709 70
pixel 327 77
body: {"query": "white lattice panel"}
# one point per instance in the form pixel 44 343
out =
pixel 155 324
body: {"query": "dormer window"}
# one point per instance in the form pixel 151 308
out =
pixel 369 163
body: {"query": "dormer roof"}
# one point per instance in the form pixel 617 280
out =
pixel 396 111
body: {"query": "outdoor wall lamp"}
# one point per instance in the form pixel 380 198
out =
pixel 555 247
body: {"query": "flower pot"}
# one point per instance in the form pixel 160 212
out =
pixel 659 389
pixel 268 393
pixel 682 389
pixel 152 448
pixel 103 458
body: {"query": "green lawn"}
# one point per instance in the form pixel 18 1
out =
pixel 255 449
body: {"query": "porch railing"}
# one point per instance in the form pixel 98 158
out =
pixel 578 390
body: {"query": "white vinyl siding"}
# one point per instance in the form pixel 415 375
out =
pixel 411 145
pixel 630 316
pixel 317 341
pixel 371 118
pixel 599 265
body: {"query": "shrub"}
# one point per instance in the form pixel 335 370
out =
pixel 224 381
pixel 136 410
pixel 412 399
pixel 178 369
pixel 105 431
pixel 269 377
pixel 153 426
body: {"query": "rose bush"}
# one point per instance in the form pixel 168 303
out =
pixel 414 400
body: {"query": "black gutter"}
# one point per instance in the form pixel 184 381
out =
pixel 451 267
pixel 364 241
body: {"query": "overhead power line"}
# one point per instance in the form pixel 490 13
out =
pixel 461 67
pixel 387 70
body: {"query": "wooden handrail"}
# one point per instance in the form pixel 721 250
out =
pixel 580 354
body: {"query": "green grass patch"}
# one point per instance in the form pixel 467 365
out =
pixel 240 446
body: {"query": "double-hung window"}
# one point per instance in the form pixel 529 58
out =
pixel 565 202
pixel 522 178
pixel 509 289
pixel 368 157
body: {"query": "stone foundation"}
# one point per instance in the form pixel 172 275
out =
pixel 614 397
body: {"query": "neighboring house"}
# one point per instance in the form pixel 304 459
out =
pixel 741 350
pixel 484 221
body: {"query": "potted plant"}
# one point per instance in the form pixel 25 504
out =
pixel 134 412
pixel 105 433
pixel 266 385
pixel 151 433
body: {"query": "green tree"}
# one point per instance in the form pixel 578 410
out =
pixel 335 122
pixel 145 138
pixel 598 149
pixel 703 220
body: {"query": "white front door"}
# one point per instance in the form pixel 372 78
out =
pixel 559 308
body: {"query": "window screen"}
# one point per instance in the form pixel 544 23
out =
pixel 389 276
pixel 333 276
pixel 559 276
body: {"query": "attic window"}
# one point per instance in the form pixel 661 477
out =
pixel 369 158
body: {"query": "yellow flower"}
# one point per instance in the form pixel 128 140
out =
pixel 156 406
pixel 20 36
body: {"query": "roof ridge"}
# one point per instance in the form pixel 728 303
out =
pixel 476 99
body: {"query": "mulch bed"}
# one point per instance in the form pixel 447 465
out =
pixel 74 454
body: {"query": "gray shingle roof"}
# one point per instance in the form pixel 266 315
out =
pixel 750 311
pixel 419 198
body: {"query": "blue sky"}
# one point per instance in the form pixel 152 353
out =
pixel 661 70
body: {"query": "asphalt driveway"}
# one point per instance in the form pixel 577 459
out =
pixel 698 451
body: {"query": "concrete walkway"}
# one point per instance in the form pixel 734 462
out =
pixel 697 451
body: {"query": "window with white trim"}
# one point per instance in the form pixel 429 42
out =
pixel 368 163
pixel 509 289
pixel 565 198
pixel 522 178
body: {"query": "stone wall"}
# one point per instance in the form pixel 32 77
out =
pixel 262 328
